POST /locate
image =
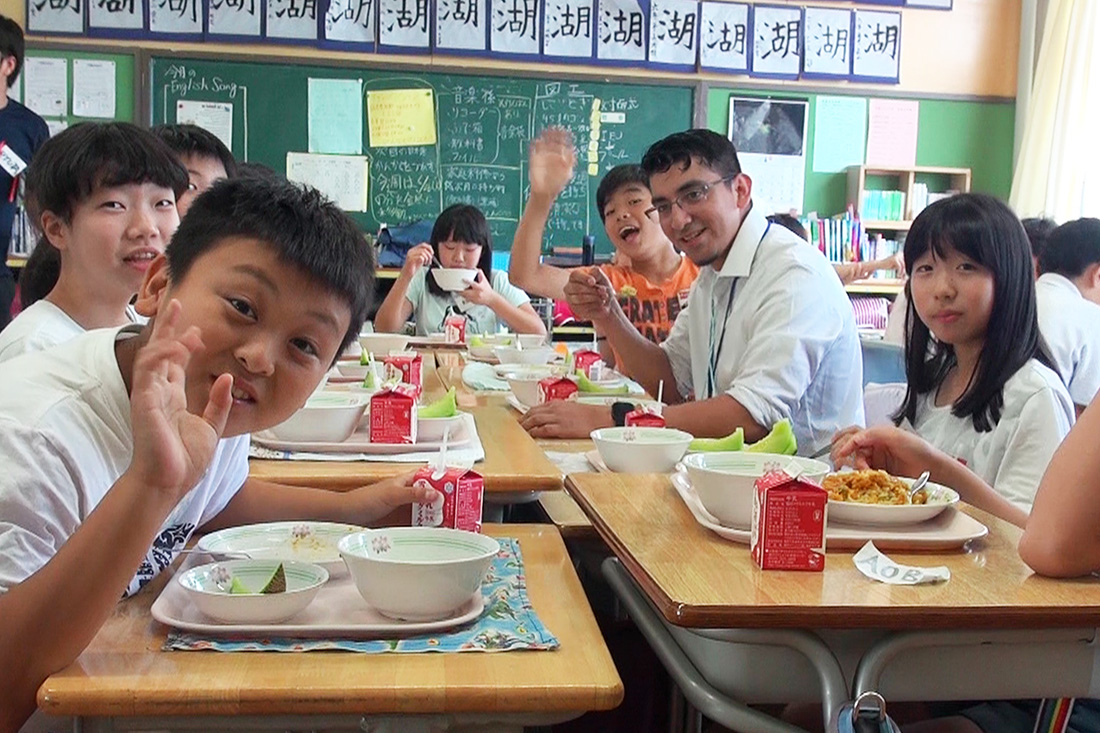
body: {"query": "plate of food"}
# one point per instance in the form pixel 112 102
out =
pixel 877 498
pixel 310 542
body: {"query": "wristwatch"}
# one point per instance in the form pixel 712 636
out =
pixel 619 411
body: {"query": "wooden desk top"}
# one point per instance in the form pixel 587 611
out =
pixel 123 672
pixel 698 579
pixel 567 516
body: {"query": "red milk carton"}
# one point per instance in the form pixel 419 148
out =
pixel 405 367
pixel 788 523
pixel 556 388
pixel 393 414
pixel 454 329
pixel 458 505
pixel 583 361
pixel 645 417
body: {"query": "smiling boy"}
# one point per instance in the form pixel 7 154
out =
pixel 104 197
pixel 118 445
pixel 205 157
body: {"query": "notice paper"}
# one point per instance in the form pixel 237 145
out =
pixel 401 117
pixel 94 88
pixel 342 178
pixel 214 117
pixel 892 132
pixel 336 116
pixel 876 566
pixel 56 126
pixel 46 86
pixel 840 133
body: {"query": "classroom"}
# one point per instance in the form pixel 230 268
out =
pixel 550 366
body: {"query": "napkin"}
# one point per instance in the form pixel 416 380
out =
pixel 481 376
pixel 876 566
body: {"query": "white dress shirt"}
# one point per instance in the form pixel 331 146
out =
pixel 1070 325
pixel 774 330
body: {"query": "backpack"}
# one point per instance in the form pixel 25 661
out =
pixel 395 242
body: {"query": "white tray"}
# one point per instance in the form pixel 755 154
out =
pixel 359 442
pixel 596 461
pixel 949 530
pixel 338 611
pixel 514 402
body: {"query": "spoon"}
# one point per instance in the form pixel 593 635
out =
pixel 223 553
pixel 918 485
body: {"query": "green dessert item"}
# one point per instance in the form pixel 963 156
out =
pixel 277 584
pixel 584 384
pixel 780 440
pixel 446 406
pixel 236 587
pixel 735 441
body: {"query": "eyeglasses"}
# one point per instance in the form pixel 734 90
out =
pixel 454 246
pixel 689 198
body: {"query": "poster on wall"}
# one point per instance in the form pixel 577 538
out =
pixel 776 41
pixel 461 25
pixel 60 17
pixel 877 55
pixel 403 26
pixel 116 17
pixel 770 137
pixel 238 19
pixel 569 29
pixel 515 27
pixel 181 19
pixel 674 33
pixel 828 46
pixel 725 43
pixel 934 4
pixel 350 24
pixel 292 20
pixel 620 34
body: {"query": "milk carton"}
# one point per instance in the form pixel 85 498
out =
pixel 393 414
pixel 459 503
pixel 645 417
pixel 788 523
pixel 405 366
pixel 556 388
pixel 454 329
pixel 584 360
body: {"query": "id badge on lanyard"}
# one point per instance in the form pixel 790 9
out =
pixel 13 165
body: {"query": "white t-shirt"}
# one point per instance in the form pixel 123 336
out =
pixel 429 309
pixel 65 438
pixel 785 344
pixel 1070 325
pixel 42 325
pixel 1012 457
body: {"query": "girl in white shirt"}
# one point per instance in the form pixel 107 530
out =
pixel 984 409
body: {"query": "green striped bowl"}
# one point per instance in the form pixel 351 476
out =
pixel 303 580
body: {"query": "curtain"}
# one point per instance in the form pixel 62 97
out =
pixel 1058 169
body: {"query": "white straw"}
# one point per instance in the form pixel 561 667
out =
pixel 441 460
pixel 660 397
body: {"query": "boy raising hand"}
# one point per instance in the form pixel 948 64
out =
pixel 118 444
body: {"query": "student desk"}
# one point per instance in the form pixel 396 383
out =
pixel 994 630
pixel 124 680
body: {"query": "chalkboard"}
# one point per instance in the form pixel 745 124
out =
pixel 483 124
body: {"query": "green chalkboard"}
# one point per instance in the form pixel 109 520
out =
pixel 951 133
pixel 483 125
pixel 124 80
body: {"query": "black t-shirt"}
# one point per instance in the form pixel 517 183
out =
pixel 24 132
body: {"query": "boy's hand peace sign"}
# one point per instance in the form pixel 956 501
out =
pixel 173 447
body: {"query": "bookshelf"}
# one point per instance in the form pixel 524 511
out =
pixel 875 286
pixel 904 180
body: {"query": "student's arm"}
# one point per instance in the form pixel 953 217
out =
pixel 262 501
pixel 50 617
pixel 397 308
pixel 509 303
pixel 1062 537
pixel 902 453
pixel 549 169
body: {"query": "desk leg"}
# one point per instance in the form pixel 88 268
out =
pixel 707 700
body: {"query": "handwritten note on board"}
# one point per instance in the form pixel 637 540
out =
pixel 398 117
pixel 342 178
pixel 892 132
pixel 94 88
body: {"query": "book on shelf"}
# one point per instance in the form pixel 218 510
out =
pixel 882 205
pixel 842 239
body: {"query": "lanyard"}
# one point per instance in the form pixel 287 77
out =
pixel 715 351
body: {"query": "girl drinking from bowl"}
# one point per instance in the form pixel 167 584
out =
pixel 460 241
pixel 984 410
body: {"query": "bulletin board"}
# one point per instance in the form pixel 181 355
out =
pixel 472 150
pixel 116 69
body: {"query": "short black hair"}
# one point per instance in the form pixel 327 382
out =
pixel 12 44
pixel 194 140
pixel 462 223
pixel 680 148
pixel 988 232
pixel 1038 231
pixel 40 273
pixel 304 228
pixel 619 177
pixel 73 164
pixel 1071 248
pixel 789 222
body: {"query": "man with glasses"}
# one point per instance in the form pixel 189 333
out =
pixel 768 332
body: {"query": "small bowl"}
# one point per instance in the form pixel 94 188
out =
pixel 303 580
pixel 417 573
pixel 453 279
pixel 484 351
pixel 525 387
pixel 326 417
pixel 641 450
pixel 512 355
pixel 725 481
pixel 531 340
pixel 431 429
pixel 381 344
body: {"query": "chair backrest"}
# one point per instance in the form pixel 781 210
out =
pixel 882 362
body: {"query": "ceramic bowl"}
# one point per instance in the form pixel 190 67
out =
pixel 303 580
pixel 431 429
pixel 328 417
pixel 417 573
pixel 381 344
pixel 531 340
pixel 453 279
pixel 641 450
pixel 512 355
pixel 850 512
pixel 300 541
pixel 525 386
pixel 725 481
